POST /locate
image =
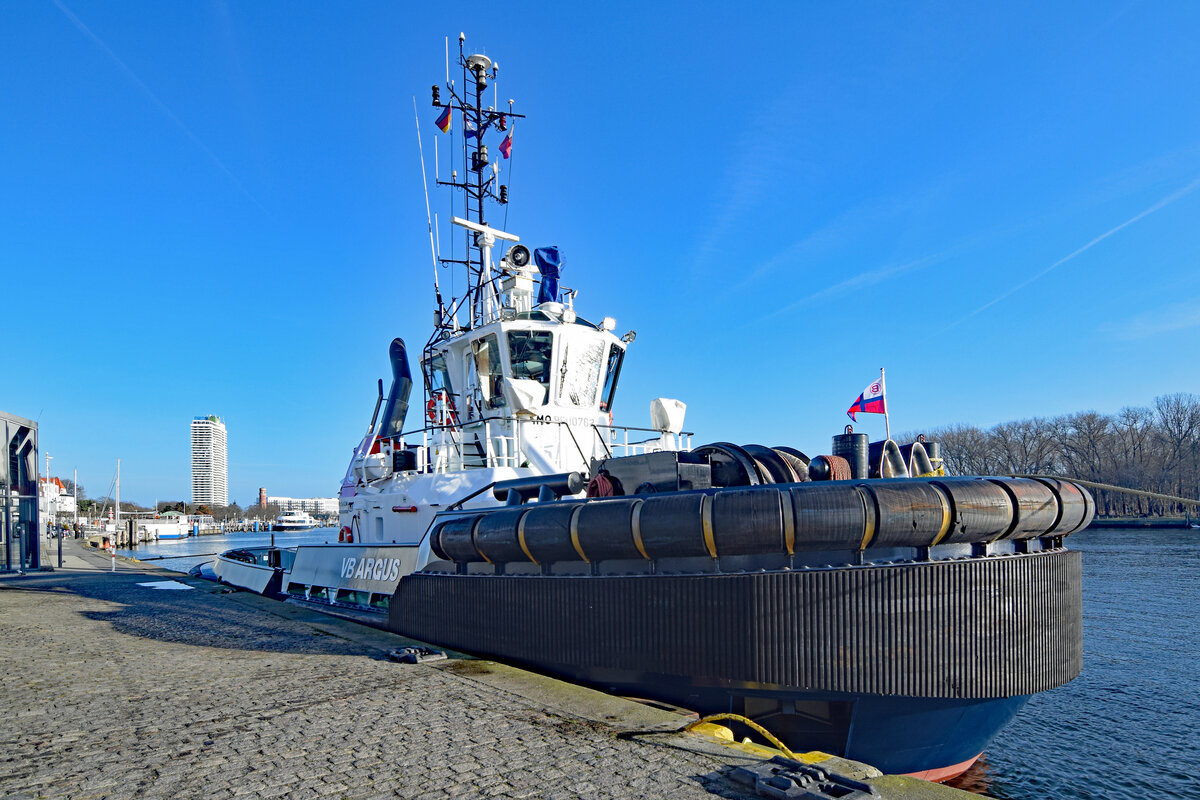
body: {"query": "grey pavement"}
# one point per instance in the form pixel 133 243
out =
pixel 115 690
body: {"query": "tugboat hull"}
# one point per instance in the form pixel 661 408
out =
pixel 908 666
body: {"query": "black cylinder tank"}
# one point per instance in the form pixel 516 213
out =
pixel 404 460
pixel 397 403
pixel 853 447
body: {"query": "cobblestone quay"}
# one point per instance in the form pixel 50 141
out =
pixel 115 690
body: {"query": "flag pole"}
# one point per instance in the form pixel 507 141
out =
pixel 887 425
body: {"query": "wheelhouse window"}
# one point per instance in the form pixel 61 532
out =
pixel 439 376
pixel 580 372
pixel 530 352
pixel 615 357
pixel 490 368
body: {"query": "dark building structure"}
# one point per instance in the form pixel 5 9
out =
pixel 19 548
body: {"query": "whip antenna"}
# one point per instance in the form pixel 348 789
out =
pixel 428 215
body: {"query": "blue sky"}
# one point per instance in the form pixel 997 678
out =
pixel 216 208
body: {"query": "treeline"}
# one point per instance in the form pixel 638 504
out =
pixel 1151 449
pixel 230 513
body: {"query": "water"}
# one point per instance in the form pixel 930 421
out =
pixel 199 549
pixel 1126 727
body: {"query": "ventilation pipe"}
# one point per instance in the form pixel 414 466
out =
pixel 397 403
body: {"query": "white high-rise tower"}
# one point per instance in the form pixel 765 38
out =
pixel 210 476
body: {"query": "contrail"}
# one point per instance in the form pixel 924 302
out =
pixel 862 280
pixel 154 98
pixel 1166 201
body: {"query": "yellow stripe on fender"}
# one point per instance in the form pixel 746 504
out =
pixel 637 529
pixel 575 532
pixel 947 516
pixel 788 510
pixel 521 538
pixel 475 542
pixel 869 509
pixel 706 522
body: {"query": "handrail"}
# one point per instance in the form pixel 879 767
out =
pixel 482 420
pixel 458 503
pixel 430 437
pixel 575 441
pixel 607 450
pixel 644 430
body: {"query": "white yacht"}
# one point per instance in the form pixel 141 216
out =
pixel 294 521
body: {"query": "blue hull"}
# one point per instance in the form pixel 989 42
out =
pixel 912 734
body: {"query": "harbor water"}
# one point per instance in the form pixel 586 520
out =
pixel 180 555
pixel 1124 728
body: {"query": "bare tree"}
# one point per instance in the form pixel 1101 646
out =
pixel 1152 449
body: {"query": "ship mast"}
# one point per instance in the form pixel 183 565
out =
pixel 479 182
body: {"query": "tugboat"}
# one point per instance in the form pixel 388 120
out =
pixel 859 602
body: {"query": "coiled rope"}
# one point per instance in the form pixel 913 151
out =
pixel 747 722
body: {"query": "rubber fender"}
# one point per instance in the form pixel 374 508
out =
pixel 831 517
pixel 980 510
pixel 497 536
pixel 547 529
pixel 747 521
pixel 772 468
pixel 1078 506
pixel 1035 505
pixel 435 541
pixel 796 459
pixel 672 525
pixel 604 529
pixel 454 540
pixel 909 513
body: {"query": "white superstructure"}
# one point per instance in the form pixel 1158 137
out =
pixel 210 473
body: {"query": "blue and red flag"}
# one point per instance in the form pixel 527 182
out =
pixel 506 145
pixel 443 122
pixel 871 401
pixel 471 132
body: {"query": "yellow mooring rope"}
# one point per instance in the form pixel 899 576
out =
pixel 748 722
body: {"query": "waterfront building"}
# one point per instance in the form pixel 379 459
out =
pixel 54 499
pixel 19 524
pixel 210 473
pixel 317 506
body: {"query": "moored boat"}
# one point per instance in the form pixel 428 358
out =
pixel 294 521
pixel 859 602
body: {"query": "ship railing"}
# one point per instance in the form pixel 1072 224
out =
pixel 496 441
pixel 619 442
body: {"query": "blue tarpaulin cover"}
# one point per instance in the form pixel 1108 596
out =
pixel 549 263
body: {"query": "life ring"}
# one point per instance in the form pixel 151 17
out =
pixel 346 535
pixel 433 410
